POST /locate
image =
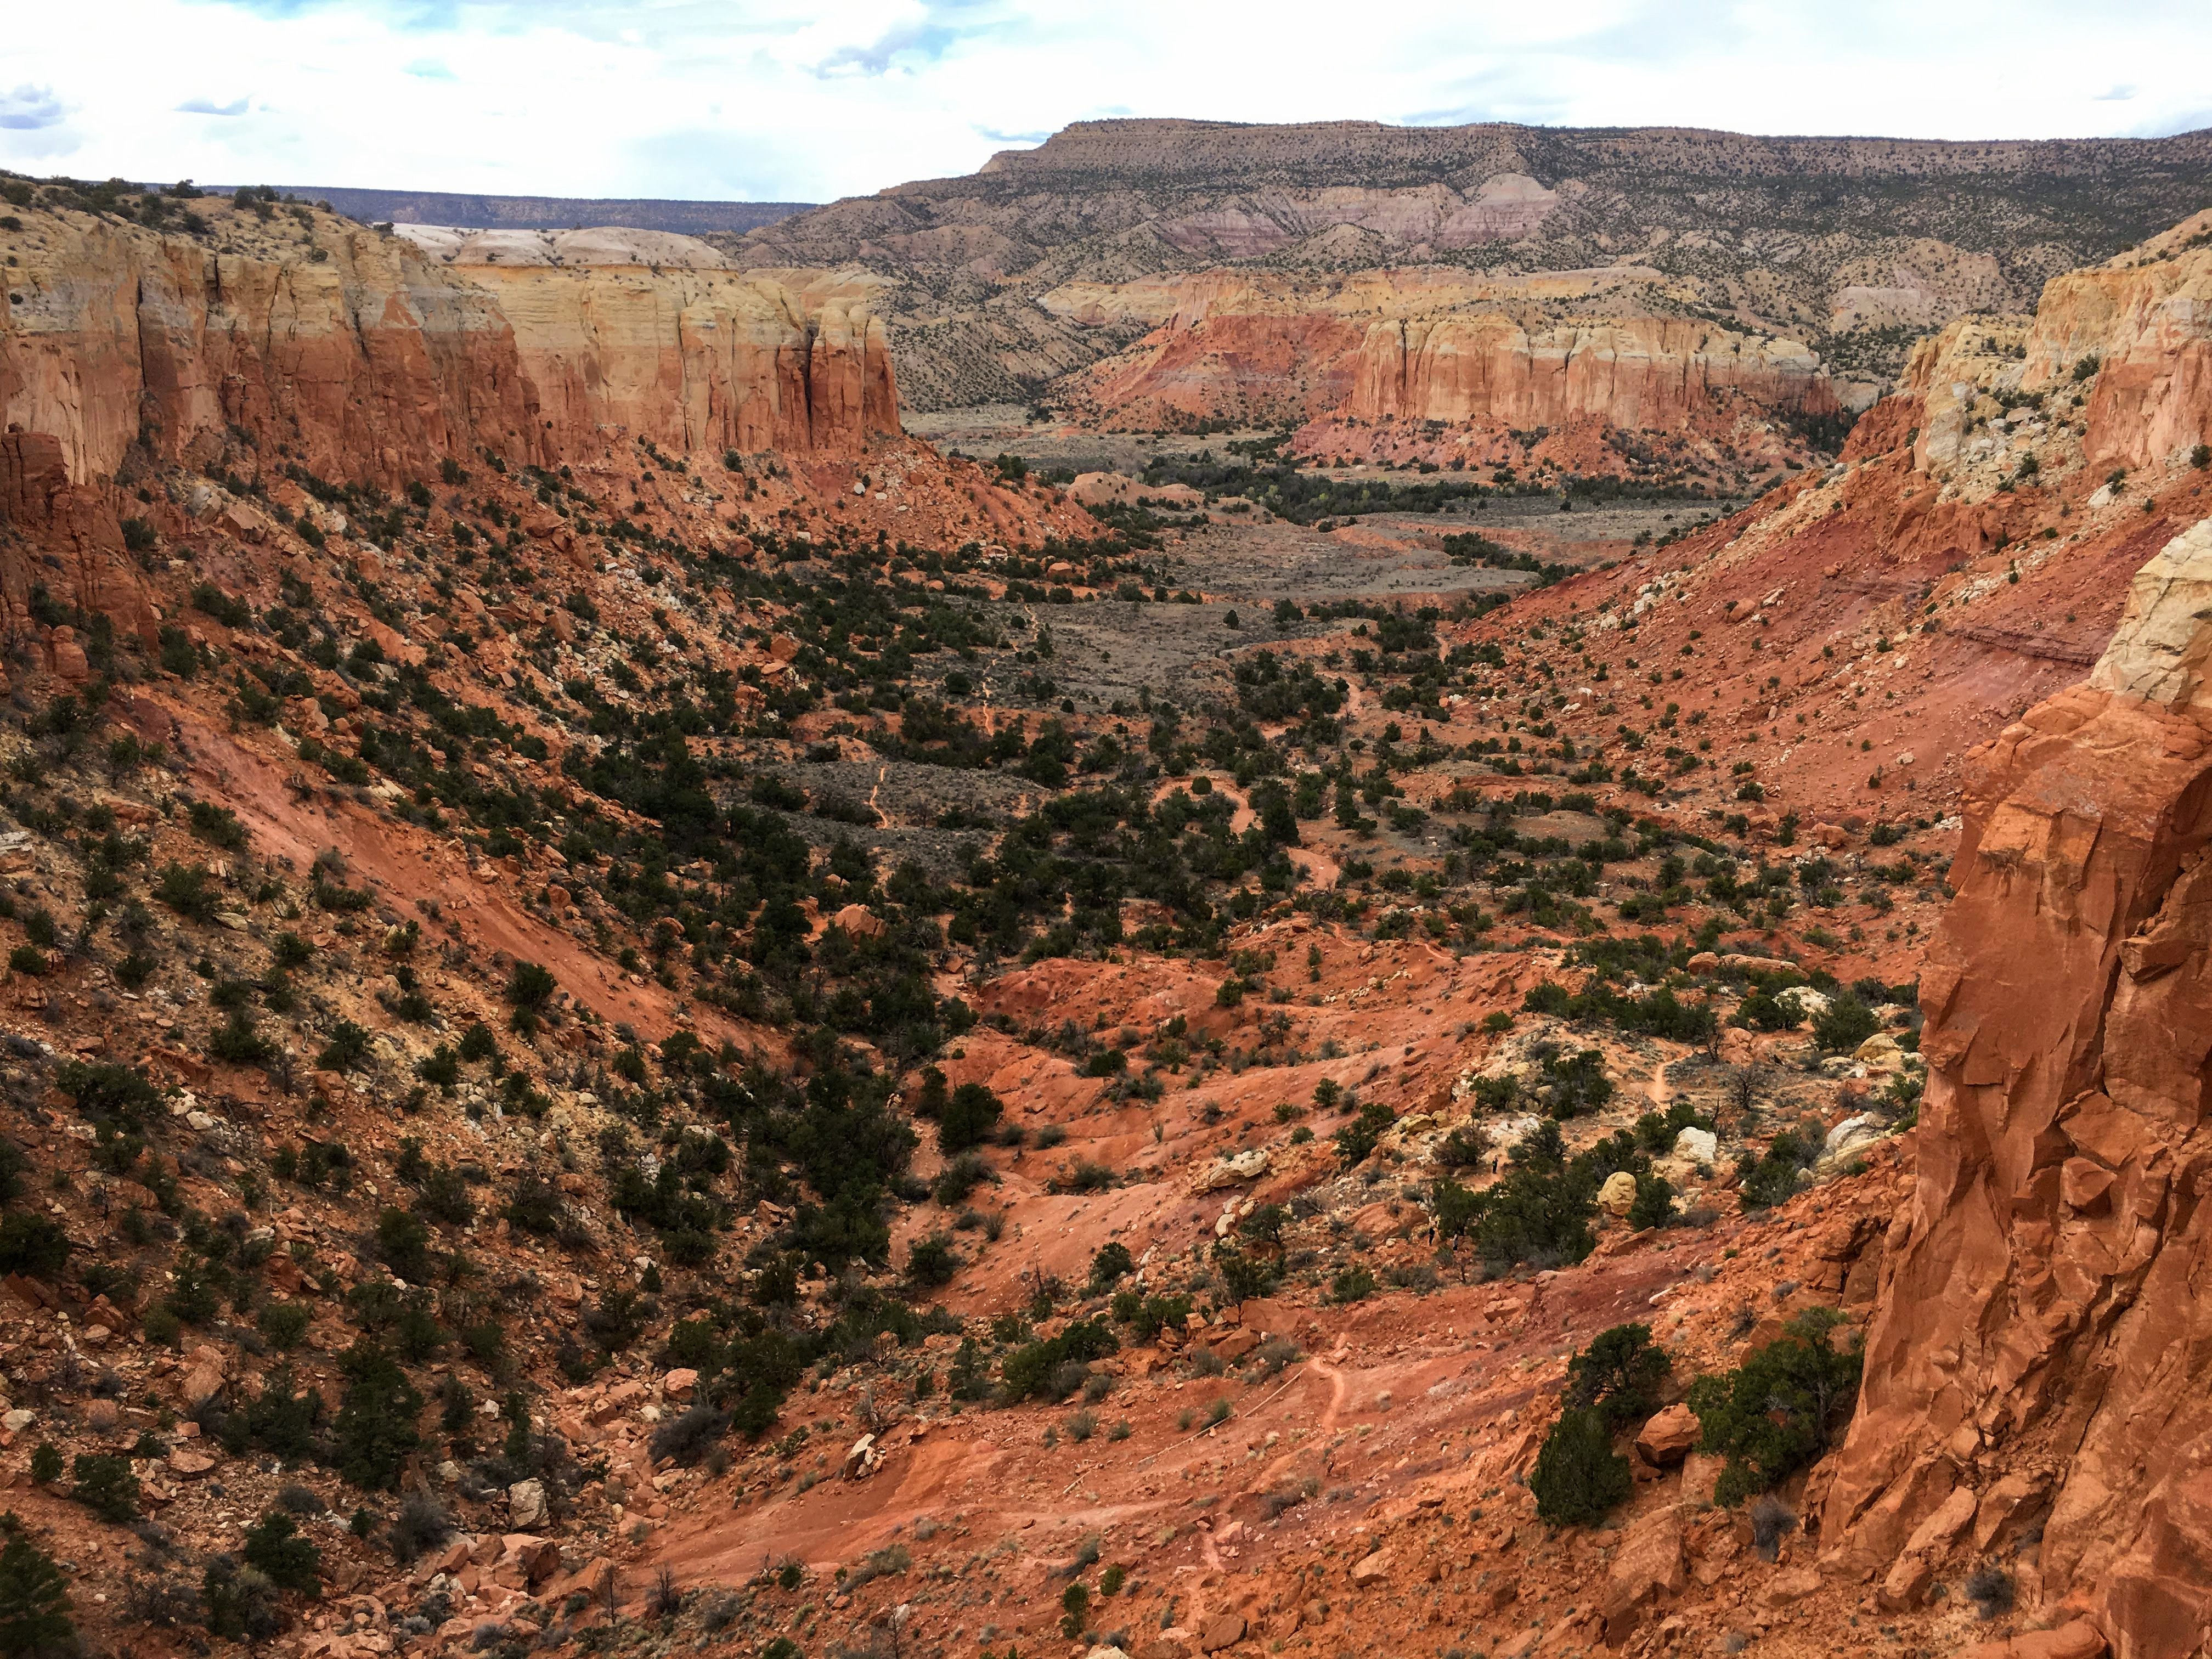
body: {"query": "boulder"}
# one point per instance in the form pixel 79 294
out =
pixel 1618 1195
pixel 1905 1586
pixel 860 922
pixel 1951 1516
pixel 1649 1563
pixel 1668 1436
pixel 1697 1146
pixel 1789 1587
pixel 679 1384
pixel 1880 1052
pixel 1370 1569
pixel 525 1505
pixel 1228 1171
pixel 201 1384
pixel 865 1457
pixel 1852 1137
pixel 2078 1640
pixel 1236 1344
pixel 1224 1630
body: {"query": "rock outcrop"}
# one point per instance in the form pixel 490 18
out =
pixel 1428 345
pixel 698 360
pixel 2126 346
pixel 1634 373
pixel 2044 1323
pixel 343 346
pixel 1727 218
pixel 362 358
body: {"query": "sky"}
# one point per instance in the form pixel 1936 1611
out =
pixel 778 101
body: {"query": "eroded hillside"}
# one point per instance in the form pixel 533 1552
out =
pixel 619 1040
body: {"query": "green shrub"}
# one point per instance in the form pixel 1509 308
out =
pixel 188 890
pixel 1579 1479
pixel 1353 1285
pixel 1112 1264
pixel 285 1324
pixel 967 1119
pixel 240 1042
pixel 375 1427
pixel 1770 1180
pixel 122 1093
pixel 1035 1369
pixel 34 1601
pixel 1845 1024
pixel 347 1048
pixel 1359 1138
pixel 1617 1374
pixel 45 1463
pixel 930 1261
pixel 274 1547
pixel 404 1241
pixel 106 1485
pixel 32 1244
pixel 1773 1415
pixel 1655 1202
pixel 239 1602
pixel 1538 1212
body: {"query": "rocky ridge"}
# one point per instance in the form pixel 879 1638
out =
pixel 1745 229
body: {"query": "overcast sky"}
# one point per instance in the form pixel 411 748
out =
pixel 781 100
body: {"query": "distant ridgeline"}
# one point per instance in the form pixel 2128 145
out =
pixel 433 207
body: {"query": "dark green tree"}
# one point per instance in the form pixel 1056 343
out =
pixel 274 1547
pixel 1617 1374
pixel 375 1427
pixel 1579 1478
pixel 34 1601
pixel 1774 1414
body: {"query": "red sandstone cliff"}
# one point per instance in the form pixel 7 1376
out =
pixel 1430 344
pixel 360 357
pixel 699 360
pixel 1633 372
pixel 345 346
pixel 2044 1346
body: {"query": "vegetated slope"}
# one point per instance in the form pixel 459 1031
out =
pixel 637 1016
pixel 1853 244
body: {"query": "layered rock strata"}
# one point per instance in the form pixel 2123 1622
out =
pixel 2042 1355
pixel 363 358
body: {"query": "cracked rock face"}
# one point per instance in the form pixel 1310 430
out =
pixel 2044 1327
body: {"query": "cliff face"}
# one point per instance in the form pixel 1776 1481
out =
pixel 1427 345
pixel 2044 1331
pixel 1632 372
pixel 346 346
pixel 1857 242
pixel 698 360
pixel 2123 349
pixel 363 358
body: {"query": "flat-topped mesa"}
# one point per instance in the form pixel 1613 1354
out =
pixel 2041 1353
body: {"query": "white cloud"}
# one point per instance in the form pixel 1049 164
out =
pixel 787 99
pixel 30 108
